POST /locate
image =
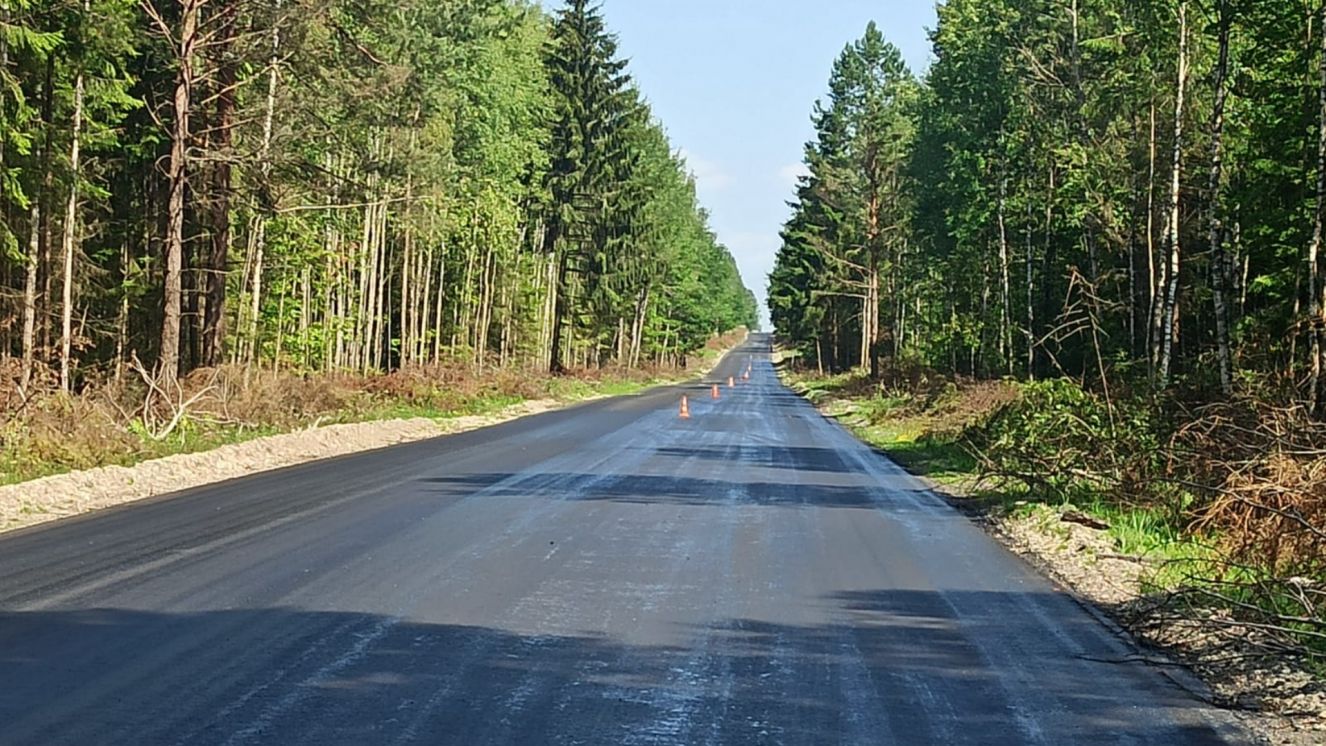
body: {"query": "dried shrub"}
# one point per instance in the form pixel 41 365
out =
pixel 74 432
pixel 121 419
pixel 264 398
pixel 1245 477
pixel 1261 471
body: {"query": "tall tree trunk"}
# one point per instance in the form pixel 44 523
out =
pixel 46 197
pixel 1219 260
pixel 1152 297
pixel 30 297
pixel 377 285
pixel 122 316
pixel 1029 266
pixel 253 259
pixel 1047 263
pixel 305 315
pixel 465 309
pixel 870 320
pixel 217 269
pixel 259 243
pixel 407 260
pixel 330 280
pixel 1005 294
pixel 71 230
pixel 1174 263
pixel 483 318
pixel 1132 256
pixel 556 341
pixel 178 175
pixel 863 344
pixel 439 304
pixel 1316 289
pixel 638 326
pixel 278 343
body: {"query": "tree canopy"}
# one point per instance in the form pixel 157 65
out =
pixel 341 186
pixel 1100 190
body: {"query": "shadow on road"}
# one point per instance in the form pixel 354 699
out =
pixel 885 666
pixel 791 458
pixel 899 498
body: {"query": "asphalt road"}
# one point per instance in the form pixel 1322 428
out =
pixel 605 574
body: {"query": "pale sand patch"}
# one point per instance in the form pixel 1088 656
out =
pixel 50 498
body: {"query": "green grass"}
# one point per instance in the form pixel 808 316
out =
pixel 574 389
pixel 937 458
pixel 18 465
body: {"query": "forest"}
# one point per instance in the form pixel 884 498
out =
pixel 1096 189
pixel 1116 209
pixel 330 186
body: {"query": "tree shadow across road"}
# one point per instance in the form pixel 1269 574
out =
pixel 660 489
pixel 882 667
pixel 792 458
pixel 701 475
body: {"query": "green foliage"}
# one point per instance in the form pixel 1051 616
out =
pixel 380 184
pixel 1062 439
pixel 1034 207
pixel 843 247
pixel 630 242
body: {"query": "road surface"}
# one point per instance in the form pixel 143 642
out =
pixel 606 574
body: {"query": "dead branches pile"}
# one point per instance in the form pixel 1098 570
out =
pixel 1261 469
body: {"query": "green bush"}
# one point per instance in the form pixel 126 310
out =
pixel 1060 438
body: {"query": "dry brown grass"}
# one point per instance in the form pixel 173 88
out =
pixel 118 423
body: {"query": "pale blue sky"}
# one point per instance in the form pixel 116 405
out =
pixel 734 81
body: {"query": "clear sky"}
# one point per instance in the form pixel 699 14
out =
pixel 734 81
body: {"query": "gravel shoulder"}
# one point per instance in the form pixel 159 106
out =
pixel 1279 702
pixel 59 496
pixel 51 498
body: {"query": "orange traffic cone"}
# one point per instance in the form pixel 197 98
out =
pixel 731 382
pixel 714 394
pixel 685 412
pixel 746 376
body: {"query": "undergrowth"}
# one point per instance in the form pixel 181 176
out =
pixel 114 424
pixel 1223 506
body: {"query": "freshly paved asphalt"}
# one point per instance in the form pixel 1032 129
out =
pixel 605 574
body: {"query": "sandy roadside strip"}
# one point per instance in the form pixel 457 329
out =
pixel 62 495
pixel 50 498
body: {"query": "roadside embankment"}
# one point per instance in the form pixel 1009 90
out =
pixel 63 456
pixel 1110 502
pixel 60 495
